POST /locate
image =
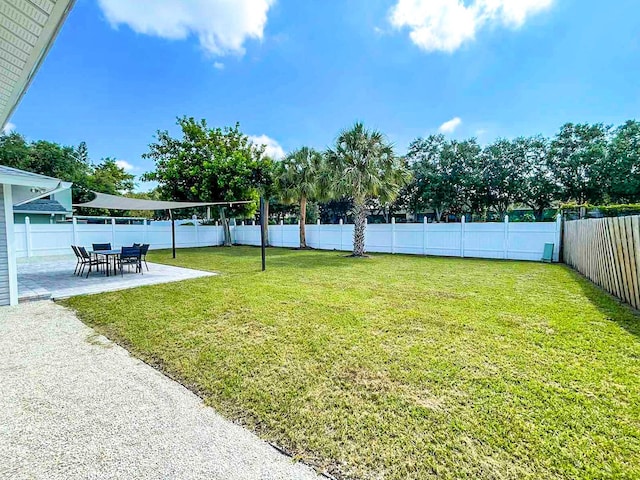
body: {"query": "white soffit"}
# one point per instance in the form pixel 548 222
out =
pixel 27 31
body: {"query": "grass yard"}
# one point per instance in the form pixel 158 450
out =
pixel 398 366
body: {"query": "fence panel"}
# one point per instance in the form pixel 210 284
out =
pixel 607 252
pixel 521 241
pixel 44 240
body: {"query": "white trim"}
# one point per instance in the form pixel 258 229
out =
pixel 11 250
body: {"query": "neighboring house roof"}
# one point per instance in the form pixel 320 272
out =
pixel 27 31
pixel 41 207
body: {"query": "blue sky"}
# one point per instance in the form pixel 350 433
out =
pixel 295 72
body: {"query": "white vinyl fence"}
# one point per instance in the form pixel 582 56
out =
pixel 513 241
pixel 33 240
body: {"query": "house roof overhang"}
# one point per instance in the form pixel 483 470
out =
pixel 28 28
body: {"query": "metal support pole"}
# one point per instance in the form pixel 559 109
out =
pixel 262 239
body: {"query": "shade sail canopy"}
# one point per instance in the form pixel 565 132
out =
pixel 115 202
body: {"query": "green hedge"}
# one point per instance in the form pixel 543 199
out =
pixel 595 211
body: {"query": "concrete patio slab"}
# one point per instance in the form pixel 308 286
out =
pixel 76 406
pixel 52 277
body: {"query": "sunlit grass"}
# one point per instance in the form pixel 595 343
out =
pixel 398 366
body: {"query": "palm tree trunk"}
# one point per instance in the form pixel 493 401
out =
pixel 360 224
pixel 303 221
pixel 224 221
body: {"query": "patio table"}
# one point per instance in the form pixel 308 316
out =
pixel 110 254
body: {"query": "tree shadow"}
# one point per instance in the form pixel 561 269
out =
pixel 612 307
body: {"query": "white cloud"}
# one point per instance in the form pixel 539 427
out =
pixel 450 126
pixel 221 26
pixel 8 128
pixel 218 65
pixel 445 25
pixel 123 164
pixel 272 148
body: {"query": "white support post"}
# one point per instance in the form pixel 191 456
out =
pixel 393 234
pixel 194 218
pixel 318 233
pixel 425 243
pixel 282 233
pixel 341 228
pixel 506 237
pixel 113 233
pixel 74 224
pixel 145 232
pixel 556 250
pixel 463 223
pixel 27 232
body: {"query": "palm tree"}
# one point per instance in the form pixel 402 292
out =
pixel 298 181
pixel 364 167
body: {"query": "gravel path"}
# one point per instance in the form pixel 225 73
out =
pixel 74 405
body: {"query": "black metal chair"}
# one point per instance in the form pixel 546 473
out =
pixel 101 246
pixel 144 249
pixel 78 259
pixel 91 261
pixel 130 256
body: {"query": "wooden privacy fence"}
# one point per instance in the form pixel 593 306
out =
pixel 607 252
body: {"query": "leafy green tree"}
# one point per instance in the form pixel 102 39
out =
pixel 14 151
pixel 363 166
pixel 623 164
pixel 502 174
pixel 578 161
pixel 108 177
pixel 332 211
pixel 445 174
pixel 207 164
pixel 539 187
pixel 299 181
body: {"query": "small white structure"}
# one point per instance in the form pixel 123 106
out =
pixel 16 186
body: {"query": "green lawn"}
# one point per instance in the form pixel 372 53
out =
pixel 398 366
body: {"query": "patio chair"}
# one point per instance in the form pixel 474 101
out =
pixel 92 261
pixel 78 259
pixel 101 246
pixel 130 256
pixel 144 249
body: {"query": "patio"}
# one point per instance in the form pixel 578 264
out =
pixel 52 278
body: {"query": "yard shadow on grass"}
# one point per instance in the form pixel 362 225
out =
pixel 612 307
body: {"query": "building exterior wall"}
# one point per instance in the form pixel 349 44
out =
pixel 8 279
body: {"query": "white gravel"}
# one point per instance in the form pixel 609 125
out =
pixel 74 405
